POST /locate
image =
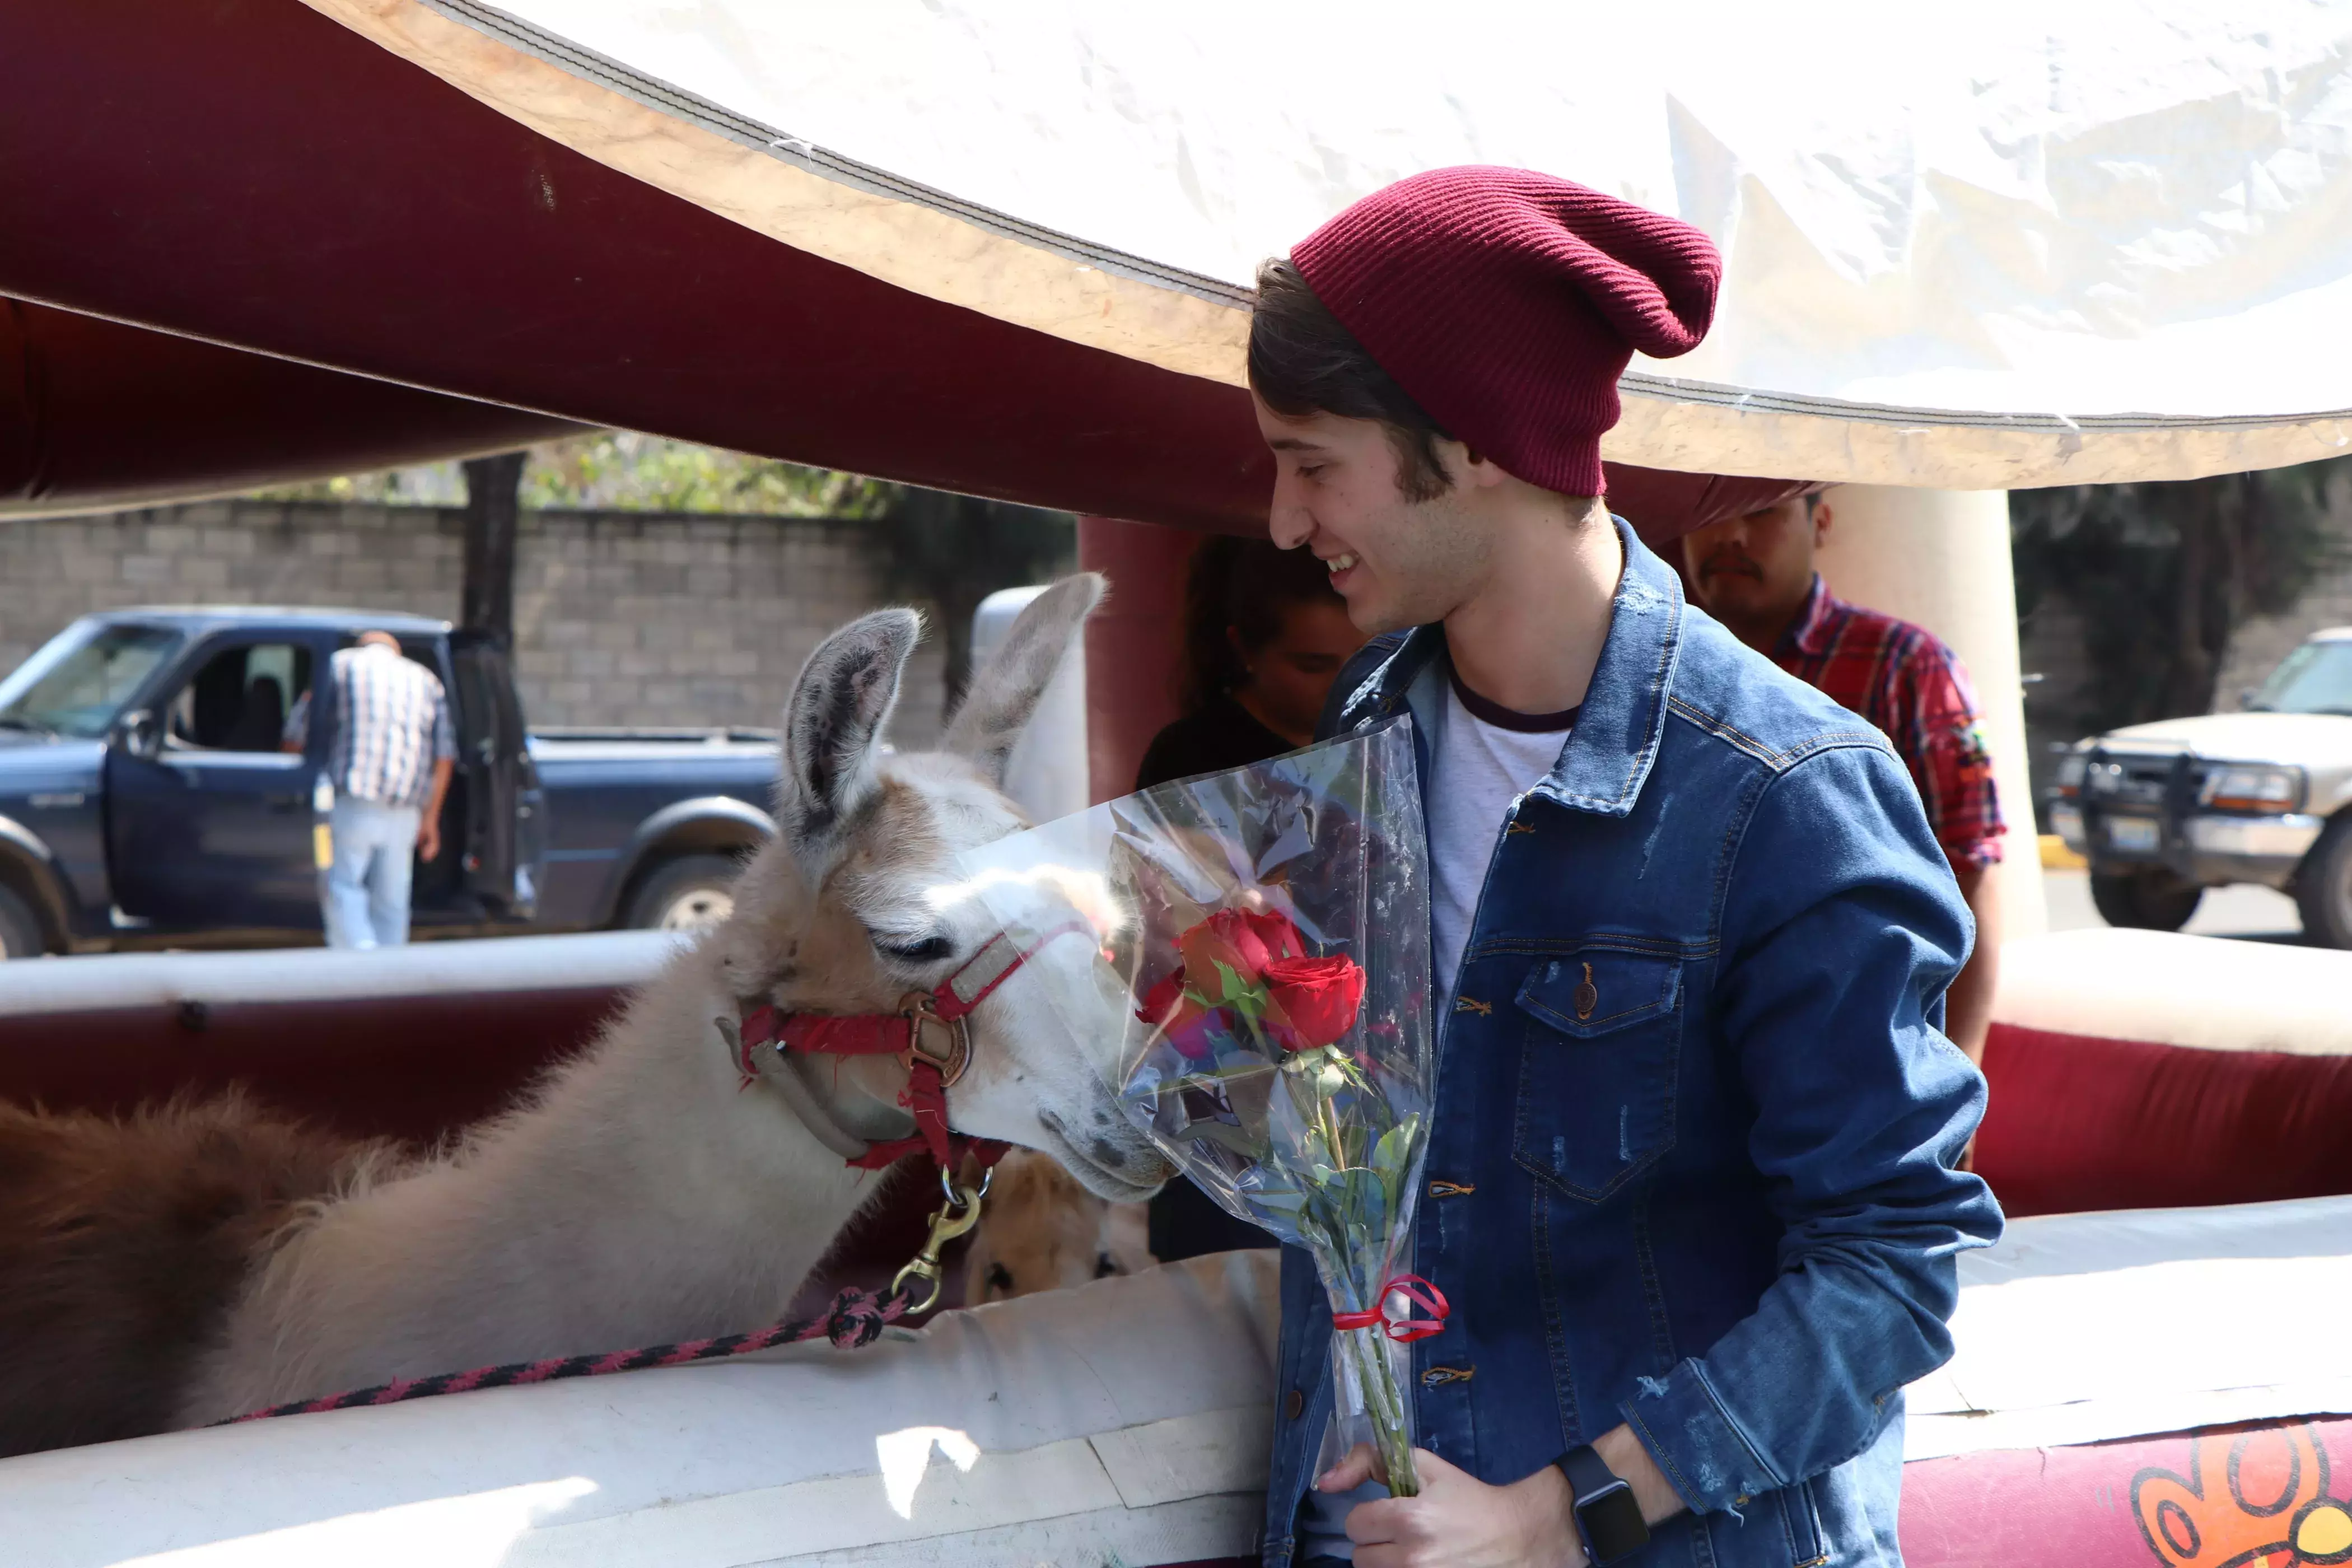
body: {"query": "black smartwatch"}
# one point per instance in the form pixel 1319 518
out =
pixel 1608 1521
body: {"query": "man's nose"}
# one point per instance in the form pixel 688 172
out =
pixel 1289 525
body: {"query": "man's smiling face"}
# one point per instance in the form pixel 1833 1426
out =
pixel 1398 562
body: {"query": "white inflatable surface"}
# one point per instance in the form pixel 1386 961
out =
pixel 2079 1328
pixel 1972 246
pixel 2199 991
pixel 1126 1422
pixel 100 981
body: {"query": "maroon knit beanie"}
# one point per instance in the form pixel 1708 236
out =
pixel 1507 302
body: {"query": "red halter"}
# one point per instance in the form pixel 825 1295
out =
pixel 930 1033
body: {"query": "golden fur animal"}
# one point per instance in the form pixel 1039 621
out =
pixel 1041 1231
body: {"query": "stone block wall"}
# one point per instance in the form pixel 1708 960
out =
pixel 632 618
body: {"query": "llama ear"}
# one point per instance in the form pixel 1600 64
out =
pixel 835 720
pixel 1005 695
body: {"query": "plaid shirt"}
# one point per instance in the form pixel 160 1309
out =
pixel 391 724
pixel 1905 681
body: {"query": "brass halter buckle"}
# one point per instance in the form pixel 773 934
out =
pixel 945 1043
pixel 955 1216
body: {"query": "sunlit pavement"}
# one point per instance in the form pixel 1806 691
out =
pixel 2258 913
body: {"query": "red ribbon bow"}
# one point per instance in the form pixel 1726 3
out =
pixel 1405 1331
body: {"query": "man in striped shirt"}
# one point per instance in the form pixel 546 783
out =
pixel 1754 574
pixel 389 759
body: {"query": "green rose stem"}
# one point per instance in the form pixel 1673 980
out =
pixel 1375 1374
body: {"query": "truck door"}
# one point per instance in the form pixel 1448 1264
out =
pixel 506 827
pixel 212 830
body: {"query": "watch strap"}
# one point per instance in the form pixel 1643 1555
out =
pixel 1608 1519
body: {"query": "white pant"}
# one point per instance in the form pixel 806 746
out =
pixel 364 893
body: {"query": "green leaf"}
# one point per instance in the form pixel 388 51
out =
pixel 1395 1147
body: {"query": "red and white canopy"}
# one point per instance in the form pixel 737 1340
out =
pixel 1004 249
pixel 1967 247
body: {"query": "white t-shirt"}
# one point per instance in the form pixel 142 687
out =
pixel 1478 768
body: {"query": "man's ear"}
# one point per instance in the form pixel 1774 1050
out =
pixel 1820 523
pixel 1478 468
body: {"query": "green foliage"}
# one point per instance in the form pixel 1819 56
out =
pixel 2163 572
pixel 620 470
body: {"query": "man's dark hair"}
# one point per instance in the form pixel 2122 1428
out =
pixel 1303 362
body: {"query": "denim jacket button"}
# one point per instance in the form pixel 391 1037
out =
pixel 1293 1405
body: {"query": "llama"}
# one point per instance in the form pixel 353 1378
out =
pixel 641 1194
pixel 1045 1231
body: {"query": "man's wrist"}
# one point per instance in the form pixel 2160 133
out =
pixel 1626 1458
pixel 1552 1505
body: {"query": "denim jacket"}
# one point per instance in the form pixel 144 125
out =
pixel 1690 1161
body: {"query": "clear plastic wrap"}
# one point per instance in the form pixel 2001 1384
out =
pixel 1269 929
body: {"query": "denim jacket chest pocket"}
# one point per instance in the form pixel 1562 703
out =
pixel 1597 1068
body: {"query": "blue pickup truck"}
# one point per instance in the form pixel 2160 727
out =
pixel 144 800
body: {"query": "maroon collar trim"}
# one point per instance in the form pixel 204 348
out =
pixel 1488 712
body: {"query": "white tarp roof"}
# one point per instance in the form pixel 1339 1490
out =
pixel 1982 245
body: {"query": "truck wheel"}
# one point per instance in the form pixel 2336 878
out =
pixel 693 892
pixel 20 928
pixel 2323 887
pixel 2150 898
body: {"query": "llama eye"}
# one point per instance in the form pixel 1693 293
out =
pixel 930 949
pixel 1000 1278
pixel 1104 1266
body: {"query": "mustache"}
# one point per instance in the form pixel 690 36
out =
pixel 1725 562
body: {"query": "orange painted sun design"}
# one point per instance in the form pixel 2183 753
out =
pixel 2253 1500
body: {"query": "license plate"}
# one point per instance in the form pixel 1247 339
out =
pixel 2131 833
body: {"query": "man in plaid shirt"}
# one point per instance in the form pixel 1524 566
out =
pixel 389 760
pixel 1754 574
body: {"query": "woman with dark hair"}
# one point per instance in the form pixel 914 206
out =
pixel 1265 635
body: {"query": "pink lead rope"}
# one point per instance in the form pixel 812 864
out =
pixel 855 1319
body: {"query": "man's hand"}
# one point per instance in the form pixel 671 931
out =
pixel 1458 1520
pixel 429 839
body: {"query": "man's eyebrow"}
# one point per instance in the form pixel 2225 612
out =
pixel 1295 443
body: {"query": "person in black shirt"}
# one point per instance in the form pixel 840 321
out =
pixel 1265 635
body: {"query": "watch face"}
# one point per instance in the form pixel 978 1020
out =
pixel 1613 1523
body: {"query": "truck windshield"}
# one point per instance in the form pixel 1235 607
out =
pixel 79 680
pixel 2314 679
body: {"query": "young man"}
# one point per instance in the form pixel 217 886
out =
pixel 1690 1184
pixel 389 760
pixel 1754 574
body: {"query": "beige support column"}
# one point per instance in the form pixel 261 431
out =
pixel 1940 558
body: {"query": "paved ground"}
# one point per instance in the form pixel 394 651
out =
pixel 2256 913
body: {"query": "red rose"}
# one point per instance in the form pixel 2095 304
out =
pixel 1318 997
pixel 1244 941
pixel 1161 1000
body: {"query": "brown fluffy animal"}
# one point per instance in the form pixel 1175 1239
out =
pixel 1041 1231
pixel 122 1245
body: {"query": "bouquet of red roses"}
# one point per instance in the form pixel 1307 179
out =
pixel 1269 929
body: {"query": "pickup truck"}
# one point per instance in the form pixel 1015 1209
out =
pixel 2164 811
pixel 144 801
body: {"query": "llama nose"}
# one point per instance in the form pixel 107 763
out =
pixel 1108 1154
